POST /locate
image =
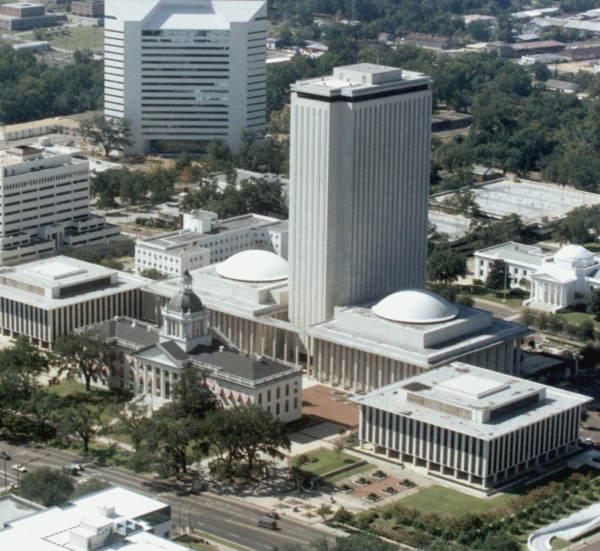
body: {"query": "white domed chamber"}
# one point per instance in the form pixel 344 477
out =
pixel 415 306
pixel 574 256
pixel 254 266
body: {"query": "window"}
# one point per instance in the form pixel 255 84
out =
pixel 259 398
pixel 287 406
pixel 277 408
pixel 278 393
pixel 287 390
pixel 268 395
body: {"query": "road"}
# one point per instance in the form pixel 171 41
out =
pixel 210 513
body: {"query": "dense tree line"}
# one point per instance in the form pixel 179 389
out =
pixel 33 90
pixel 260 196
pixel 395 16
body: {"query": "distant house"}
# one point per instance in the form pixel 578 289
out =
pixel 483 173
pixel 563 86
pixel 433 41
pixel 535 47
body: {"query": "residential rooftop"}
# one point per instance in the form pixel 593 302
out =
pixel 473 401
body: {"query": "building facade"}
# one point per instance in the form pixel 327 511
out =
pixel 359 173
pixel 22 16
pixel 45 199
pixel 363 347
pixel 470 425
pixel 556 280
pixel 186 72
pixel 150 360
pixel 47 299
pixel 206 240
pixel 88 8
pixel 521 261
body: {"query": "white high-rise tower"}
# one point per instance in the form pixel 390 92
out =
pixel 185 72
pixel 359 183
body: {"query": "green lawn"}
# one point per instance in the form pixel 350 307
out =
pixel 80 38
pixel 361 469
pixel 557 543
pixel 326 461
pixel 512 302
pixel 67 388
pixel 578 317
pixel 443 501
pixel 70 38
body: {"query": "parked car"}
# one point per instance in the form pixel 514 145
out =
pixel 73 468
pixel 19 468
pixel 5 456
pixel 266 522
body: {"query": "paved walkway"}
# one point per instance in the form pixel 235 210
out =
pixel 570 528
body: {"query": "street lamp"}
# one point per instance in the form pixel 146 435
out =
pixel 5 477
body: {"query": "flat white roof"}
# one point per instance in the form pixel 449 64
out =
pixel 514 253
pixel 51 529
pixel 534 202
pixel 57 272
pixel 360 79
pixel 467 387
pixel 474 386
pixel 185 14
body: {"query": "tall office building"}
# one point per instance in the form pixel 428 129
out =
pixel 44 204
pixel 359 178
pixel 185 72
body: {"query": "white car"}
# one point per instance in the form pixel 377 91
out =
pixel 18 467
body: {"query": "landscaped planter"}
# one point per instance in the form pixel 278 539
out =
pixel 373 498
pixel 379 475
pixel 362 481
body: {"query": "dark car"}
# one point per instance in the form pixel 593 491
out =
pixel 5 456
pixel 266 522
pixel 273 515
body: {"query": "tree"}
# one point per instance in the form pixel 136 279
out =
pixel 135 423
pixel 241 433
pixel 48 487
pixel 445 265
pixel 324 511
pixel 109 133
pixel 498 278
pixel 500 542
pixel 81 420
pixel 174 436
pixel 82 354
pixel 153 273
pixel 592 302
pixel 191 395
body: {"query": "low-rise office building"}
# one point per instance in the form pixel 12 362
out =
pixel 206 240
pixel 22 16
pixel 521 261
pixel 473 426
pixel 150 359
pixel 45 196
pixel 46 299
pixel 556 280
pixel 88 8
pixel 107 520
